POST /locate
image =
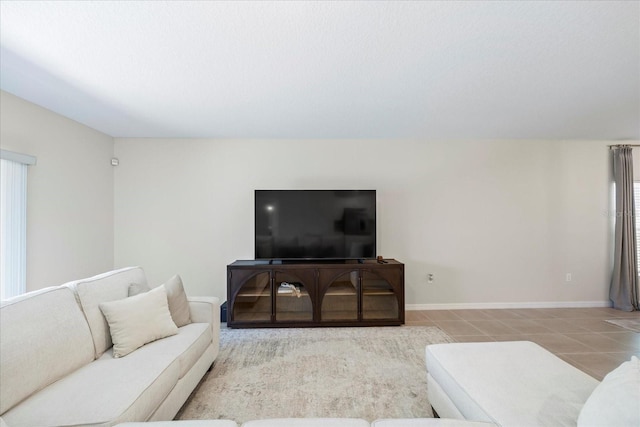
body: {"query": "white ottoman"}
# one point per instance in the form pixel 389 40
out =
pixel 185 423
pixel 428 422
pixel 516 383
pixel 308 422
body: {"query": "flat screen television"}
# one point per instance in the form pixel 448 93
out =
pixel 315 224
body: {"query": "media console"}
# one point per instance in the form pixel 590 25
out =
pixel 328 293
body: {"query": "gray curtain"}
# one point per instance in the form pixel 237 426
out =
pixel 624 283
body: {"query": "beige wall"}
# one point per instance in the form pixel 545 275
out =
pixel 498 223
pixel 70 192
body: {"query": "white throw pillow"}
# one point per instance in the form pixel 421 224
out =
pixel 616 400
pixel 138 320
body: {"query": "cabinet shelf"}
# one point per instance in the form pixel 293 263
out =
pixel 253 294
pixel 303 293
pixel 331 294
pixel 339 289
pixel 377 293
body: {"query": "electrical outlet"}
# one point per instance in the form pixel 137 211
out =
pixel 430 278
pixel 568 277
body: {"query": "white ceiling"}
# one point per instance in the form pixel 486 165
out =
pixel 334 69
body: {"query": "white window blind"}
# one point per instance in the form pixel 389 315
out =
pixel 13 223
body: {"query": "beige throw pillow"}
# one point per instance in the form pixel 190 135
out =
pixel 138 320
pixel 138 288
pixel 178 304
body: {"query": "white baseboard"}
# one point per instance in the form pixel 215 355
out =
pixel 490 305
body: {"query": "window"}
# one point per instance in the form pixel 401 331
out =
pixel 13 222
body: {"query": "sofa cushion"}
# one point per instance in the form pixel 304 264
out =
pixel 110 286
pixel 138 320
pixel 184 423
pixel 616 400
pixel 187 346
pixel 428 422
pixel 514 383
pixel 44 337
pixel 307 422
pixel 105 392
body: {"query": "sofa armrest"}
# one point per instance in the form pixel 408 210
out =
pixel 204 309
pixel 207 310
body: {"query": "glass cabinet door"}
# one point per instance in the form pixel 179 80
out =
pixel 379 301
pixel 340 301
pixel 253 300
pixel 293 302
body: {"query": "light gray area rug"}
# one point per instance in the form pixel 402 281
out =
pixel 368 372
pixel 630 324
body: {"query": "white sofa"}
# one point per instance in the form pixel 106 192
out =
pixel 318 422
pixel 57 364
pixel 521 384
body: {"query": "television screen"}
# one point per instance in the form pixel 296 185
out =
pixel 315 224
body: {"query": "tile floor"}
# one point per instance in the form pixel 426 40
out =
pixel 580 336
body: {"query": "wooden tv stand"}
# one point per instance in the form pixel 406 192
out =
pixel 298 294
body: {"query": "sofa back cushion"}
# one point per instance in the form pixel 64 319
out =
pixel 106 287
pixel 44 336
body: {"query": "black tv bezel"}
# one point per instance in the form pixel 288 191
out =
pixel 316 259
